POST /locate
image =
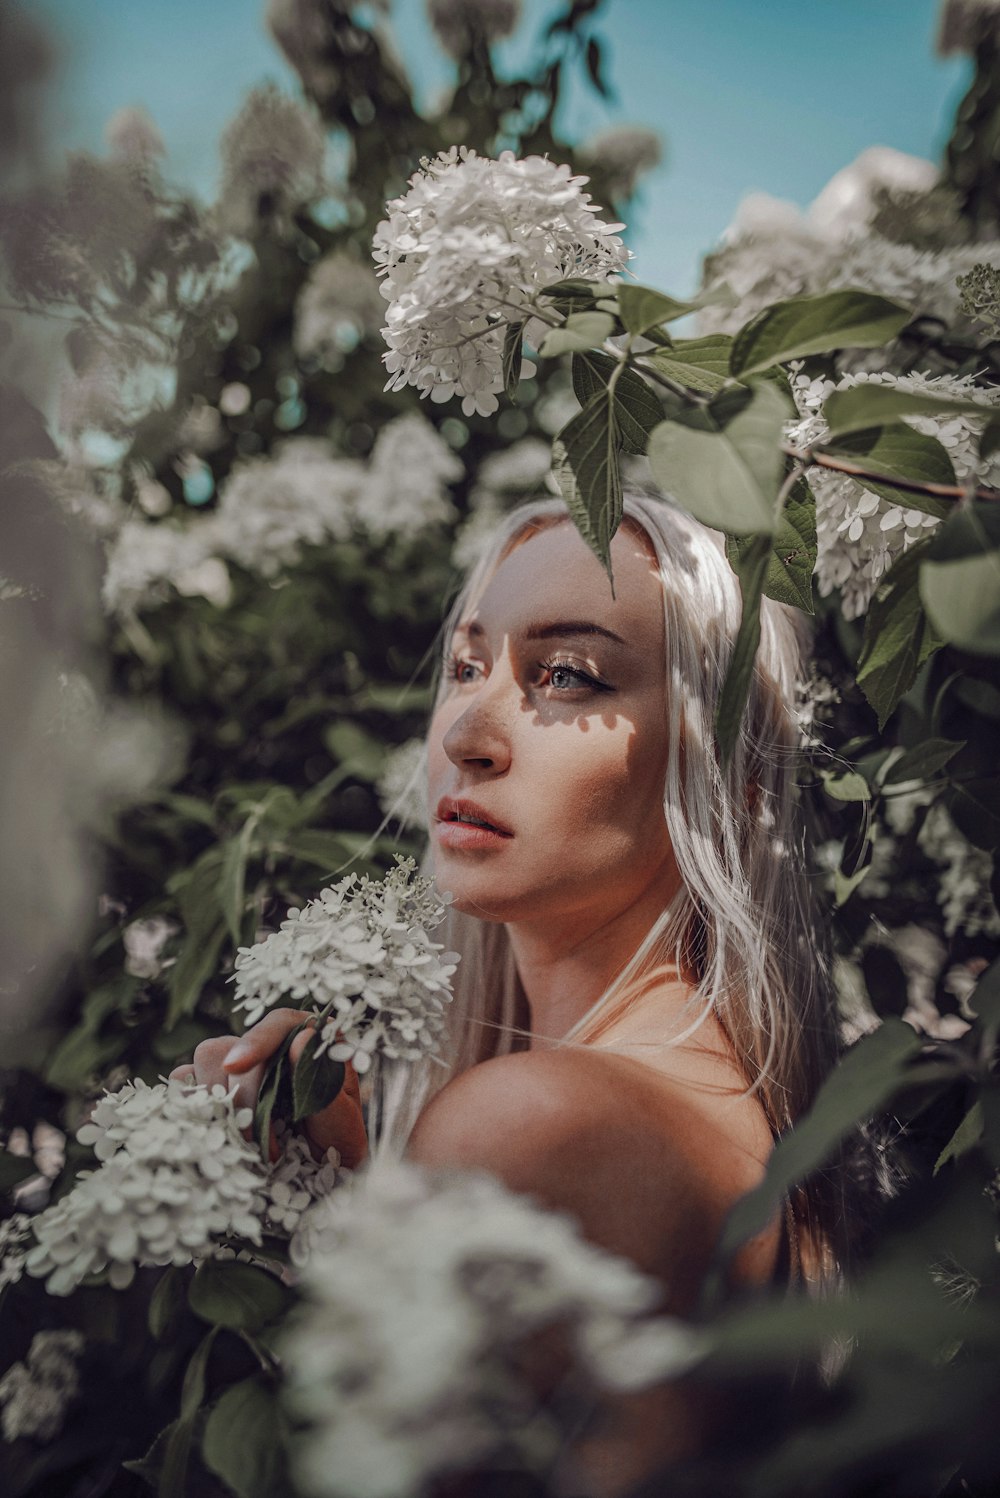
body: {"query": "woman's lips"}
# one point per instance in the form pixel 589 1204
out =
pixel 459 825
pixel 467 836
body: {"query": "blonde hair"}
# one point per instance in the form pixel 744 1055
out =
pixel 740 924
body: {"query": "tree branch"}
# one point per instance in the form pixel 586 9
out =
pixel 908 486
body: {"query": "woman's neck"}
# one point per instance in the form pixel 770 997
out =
pixel 563 974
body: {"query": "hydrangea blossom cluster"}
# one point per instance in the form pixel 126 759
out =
pixel 522 471
pixel 273 161
pixel 361 946
pixel 144 942
pixel 36 1394
pixel 404 490
pixel 458 24
pixel 270 508
pixel 176 1178
pixel 859 534
pixel 419 1289
pixel 463 253
pixel 965 872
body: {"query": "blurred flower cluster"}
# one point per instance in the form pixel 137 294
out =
pixel 423 1295
pixel 36 1394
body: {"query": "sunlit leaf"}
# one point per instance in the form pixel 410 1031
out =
pixel 806 325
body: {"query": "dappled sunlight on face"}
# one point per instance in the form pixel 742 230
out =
pixel 551 729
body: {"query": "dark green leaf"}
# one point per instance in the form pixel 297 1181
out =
pixel 235 854
pixel 807 325
pixel 585 458
pixel 897 451
pixel 985 1004
pixel 198 960
pixel 870 1074
pixel 176 1453
pixel 923 760
pixel 274 1095
pixel 793 551
pixel 244 1440
pixel 150 1466
pixel 722 462
pixel 14 1169
pixel 316 1081
pixel 167 1301
pixel 870 405
pixel 326 850
pixel 965 1137
pixel 960 579
pixel 356 749
pixel 513 357
pixel 898 636
pixel 698 363
pixel 637 408
pixel 581 330
pixel 751 569
pixel 239 1297
pixel 641 308
pixel 989 439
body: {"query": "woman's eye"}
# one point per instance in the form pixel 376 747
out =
pixel 462 671
pixel 566 678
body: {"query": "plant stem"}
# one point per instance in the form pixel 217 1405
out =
pixel 909 486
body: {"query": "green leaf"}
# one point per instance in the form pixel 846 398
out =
pixel 357 750
pixel 326 850
pixel 150 1466
pixel 699 363
pixel 585 458
pixel 806 325
pixel 14 1169
pixel 513 357
pixel 985 1004
pixel 751 569
pixel 870 1074
pixel 965 1137
pixel 239 1297
pixel 637 408
pixel 923 760
pixel 792 562
pixel 989 439
pixel 198 960
pixel 244 1440
pixel 849 786
pixel 897 451
pixel 898 636
pixel 581 330
pixel 960 579
pixel 235 854
pixel 316 1081
pixel 641 308
pixel 167 1302
pixel 722 462
pixel 274 1095
pixel 868 405
pixel 177 1453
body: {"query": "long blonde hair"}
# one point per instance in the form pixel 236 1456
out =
pixel 740 923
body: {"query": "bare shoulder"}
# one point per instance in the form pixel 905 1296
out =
pixel 598 1136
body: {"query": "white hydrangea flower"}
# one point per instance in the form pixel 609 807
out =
pixel 520 469
pixel 403 491
pixel 419 1289
pixel 463 252
pixel 859 534
pixel 295 1181
pixel 15 1235
pixel 401 787
pixel 143 942
pixel 773 251
pixel 176 1178
pixel 621 154
pixel 36 1394
pixel 963 891
pixel 339 303
pixel 459 23
pixel 269 508
pixel 362 947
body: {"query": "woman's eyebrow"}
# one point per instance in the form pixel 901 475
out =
pixel 549 631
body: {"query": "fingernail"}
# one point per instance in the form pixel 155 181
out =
pixel 238 1054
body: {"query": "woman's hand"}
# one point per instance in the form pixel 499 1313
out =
pixel 225 1059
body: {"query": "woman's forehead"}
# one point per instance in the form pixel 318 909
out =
pixel 552 574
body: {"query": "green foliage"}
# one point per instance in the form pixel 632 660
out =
pixel 806 325
pixel 899 637
pixel 722 461
pixel 585 458
pixel 960 579
pixel 244 1440
pixel 239 1297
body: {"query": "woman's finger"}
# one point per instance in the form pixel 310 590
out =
pixel 185 1073
pixel 261 1042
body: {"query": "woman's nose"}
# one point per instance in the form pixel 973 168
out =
pixel 480 737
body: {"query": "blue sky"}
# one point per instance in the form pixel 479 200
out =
pixel 773 96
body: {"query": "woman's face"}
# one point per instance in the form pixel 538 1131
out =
pixel 552 729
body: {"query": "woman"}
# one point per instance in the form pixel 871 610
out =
pixel 640 1008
